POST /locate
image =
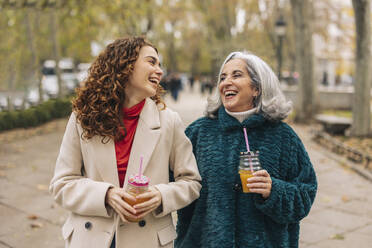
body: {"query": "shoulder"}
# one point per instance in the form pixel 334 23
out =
pixel 203 122
pixel 282 128
pixel 169 115
pixel 288 138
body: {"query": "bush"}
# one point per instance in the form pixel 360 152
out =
pixel 34 116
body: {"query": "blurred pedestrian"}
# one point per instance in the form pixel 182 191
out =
pixel 191 82
pixel 260 210
pixel 118 116
pixel 175 85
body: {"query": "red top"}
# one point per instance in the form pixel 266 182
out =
pixel 124 146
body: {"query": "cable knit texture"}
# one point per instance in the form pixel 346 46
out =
pixel 225 218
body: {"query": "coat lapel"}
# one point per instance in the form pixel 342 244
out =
pixel 145 139
pixel 105 160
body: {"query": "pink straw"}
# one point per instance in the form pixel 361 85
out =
pixel 247 144
pixel 246 139
pixel 140 168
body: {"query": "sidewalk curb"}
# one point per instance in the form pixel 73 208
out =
pixel 346 163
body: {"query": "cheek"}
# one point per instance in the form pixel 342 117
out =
pixel 220 88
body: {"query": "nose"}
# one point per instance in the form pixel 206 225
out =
pixel 225 82
pixel 159 71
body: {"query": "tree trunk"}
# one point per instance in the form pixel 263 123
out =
pixel 35 56
pixel 362 86
pixel 301 13
pixel 56 49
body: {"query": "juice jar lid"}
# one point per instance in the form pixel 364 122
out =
pixel 138 181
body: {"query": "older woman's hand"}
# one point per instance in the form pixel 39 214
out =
pixel 154 201
pixel 260 183
pixel 115 199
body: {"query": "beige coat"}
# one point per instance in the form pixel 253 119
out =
pixel 85 169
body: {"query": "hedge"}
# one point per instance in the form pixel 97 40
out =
pixel 34 116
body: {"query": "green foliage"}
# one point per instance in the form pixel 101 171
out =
pixel 192 36
pixel 35 116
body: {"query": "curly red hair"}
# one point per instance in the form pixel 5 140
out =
pixel 99 102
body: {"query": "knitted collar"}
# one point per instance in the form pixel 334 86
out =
pixel 227 122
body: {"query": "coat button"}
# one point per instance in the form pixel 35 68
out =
pixel 237 187
pixel 88 225
pixel 142 223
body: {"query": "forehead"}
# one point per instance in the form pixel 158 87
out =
pixel 234 64
pixel 147 51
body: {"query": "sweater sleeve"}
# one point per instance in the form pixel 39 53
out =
pixel 291 199
pixel 69 187
pixel 186 188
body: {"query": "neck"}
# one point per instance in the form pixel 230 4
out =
pixel 131 101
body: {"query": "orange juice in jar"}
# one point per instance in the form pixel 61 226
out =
pixel 248 164
pixel 136 185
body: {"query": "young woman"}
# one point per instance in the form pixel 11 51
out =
pixel 118 116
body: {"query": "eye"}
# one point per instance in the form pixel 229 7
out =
pixel 222 78
pixel 237 75
pixel 152 62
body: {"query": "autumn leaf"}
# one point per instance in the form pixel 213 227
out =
pixel 338 237
pixel 32 217
pixel 345 198
pixel 36 225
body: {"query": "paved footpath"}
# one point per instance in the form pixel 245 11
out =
pixel 341 215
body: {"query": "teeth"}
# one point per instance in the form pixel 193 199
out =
pixel 230 93
pixel 153 80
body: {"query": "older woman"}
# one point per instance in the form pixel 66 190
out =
pixel 118 116
pixel 281 194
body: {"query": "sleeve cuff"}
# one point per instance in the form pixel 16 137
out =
pixel 270 202
pixel 162 209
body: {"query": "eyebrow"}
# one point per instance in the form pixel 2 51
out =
pixel 235 71
pixel 152 57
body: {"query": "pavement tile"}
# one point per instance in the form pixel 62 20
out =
pixel 362 208
pixel 350 240
pixel 47 235
pixel 5 213
pixel 313 233
pixel 338 219
pixel 18 232
pixel 366 230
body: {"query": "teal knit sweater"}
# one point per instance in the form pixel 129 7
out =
pixel 223 216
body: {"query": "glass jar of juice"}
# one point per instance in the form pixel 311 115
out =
pixel 248 164
pixel 136 185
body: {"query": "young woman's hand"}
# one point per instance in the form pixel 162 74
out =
pixel 115 199
pixel 153 202
pixel 260 183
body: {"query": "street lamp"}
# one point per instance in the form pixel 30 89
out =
pixel 280 26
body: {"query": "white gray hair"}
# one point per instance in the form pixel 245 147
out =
pixel 270 102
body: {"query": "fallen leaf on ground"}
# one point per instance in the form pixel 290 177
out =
pixel 36 225
pixel 32 217
pixel 337 236
pixel 345 198
pixel 325 199
pixel 42 187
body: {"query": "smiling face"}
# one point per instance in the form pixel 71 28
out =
pixel 145 77
pixel 236 90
